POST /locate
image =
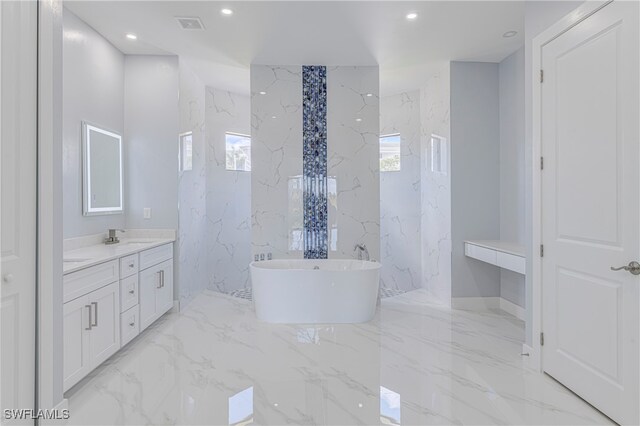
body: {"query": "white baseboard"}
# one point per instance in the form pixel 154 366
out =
pixel 513 309
pixel 475 303
pixel 176 306
pixel 62 405
pixel 483 303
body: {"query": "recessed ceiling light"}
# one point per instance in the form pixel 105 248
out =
pixel 411 16
pixel 263 93
pixel 509 34
pixel 274 117
pixel 358 119
pixel 131 36
pixel 227 12
pixel 369 95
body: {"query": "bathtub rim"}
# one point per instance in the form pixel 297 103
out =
pixel 368 265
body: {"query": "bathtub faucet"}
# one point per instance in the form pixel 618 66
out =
pixel 363 253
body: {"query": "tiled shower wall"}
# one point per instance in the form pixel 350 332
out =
pixel 436 186
pixel 400 202
pixel 228 214
pixel 191 268
pixel 352 160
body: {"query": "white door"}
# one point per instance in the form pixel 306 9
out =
pixel 18 49
pixel 590 193
pixel 76 326
pixel 104 336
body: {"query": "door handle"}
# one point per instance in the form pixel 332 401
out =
pixel 95 305
pixel 633 267
pixel 89 308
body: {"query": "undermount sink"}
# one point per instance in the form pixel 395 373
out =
pixel 134 243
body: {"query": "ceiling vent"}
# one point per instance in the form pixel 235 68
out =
pixel 190 23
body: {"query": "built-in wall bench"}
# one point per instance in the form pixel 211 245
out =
pixel 503 254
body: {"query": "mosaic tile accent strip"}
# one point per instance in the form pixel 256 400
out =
pixel 314 166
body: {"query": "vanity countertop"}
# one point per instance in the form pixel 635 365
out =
pixel 95 254
pixel 503 246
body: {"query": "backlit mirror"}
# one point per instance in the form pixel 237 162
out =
pixel 102 169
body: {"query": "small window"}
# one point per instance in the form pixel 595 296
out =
pixel 238 152
pixel 390 153
pixel 186 151
pixel 439 161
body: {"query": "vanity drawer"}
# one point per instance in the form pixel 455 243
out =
pixel 480 253
pixel 129 325
pixel 77 284
pixel 128 292
pixel 129 265
pixel 155 255
pixel 511 262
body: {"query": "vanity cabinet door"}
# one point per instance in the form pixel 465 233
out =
pixel 105 328
pixel 148 284
pixel 164 296
pixel 76 360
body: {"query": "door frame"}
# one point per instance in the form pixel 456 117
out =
pixel 581 13
pixel 49 349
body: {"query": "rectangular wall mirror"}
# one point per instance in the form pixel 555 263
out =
pixel 102 171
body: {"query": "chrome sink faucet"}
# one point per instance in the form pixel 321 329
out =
pixel 113 238
pixel 363 253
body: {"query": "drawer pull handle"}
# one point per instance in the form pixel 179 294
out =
pixel 131 265
pixel 131 291
pixel 159 279
pixel 95 304
pixel 89 308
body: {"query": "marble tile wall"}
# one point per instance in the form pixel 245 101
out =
pixel 353 160
pixel 192 192
pixel 353 145
pixel 228 217
pixel 276 151
pixel 436 186
pixel 400 196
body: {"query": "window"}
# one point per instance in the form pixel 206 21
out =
pixel 238 152
pixel 390 153
pixel 186 151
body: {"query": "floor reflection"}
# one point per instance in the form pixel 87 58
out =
pixel 415 363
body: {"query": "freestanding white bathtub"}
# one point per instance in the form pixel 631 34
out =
pixel 308 291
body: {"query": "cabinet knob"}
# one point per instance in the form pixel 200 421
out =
pixel 131 265
pixel 8 278
pixel 131 291
pixel 131 324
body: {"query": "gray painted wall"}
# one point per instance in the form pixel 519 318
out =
pixel 93 79
pixel 151 134
pixel 512 167
pixel 475 174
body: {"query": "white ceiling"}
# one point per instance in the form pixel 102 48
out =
pixel 312 32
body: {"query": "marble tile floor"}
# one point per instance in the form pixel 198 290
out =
pixel 415 363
